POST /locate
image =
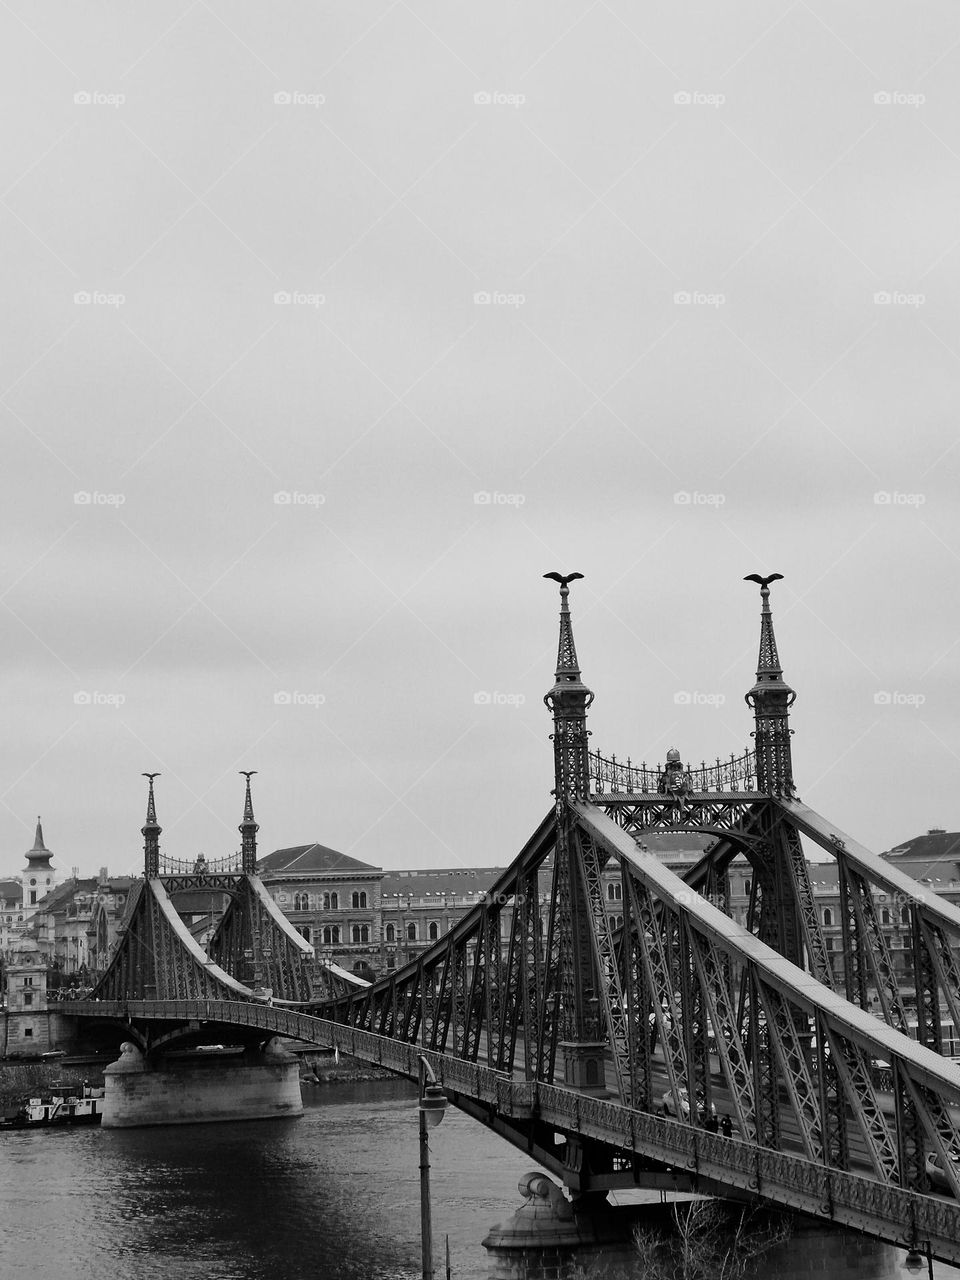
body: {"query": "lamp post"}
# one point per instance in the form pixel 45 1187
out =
pixel 433 1103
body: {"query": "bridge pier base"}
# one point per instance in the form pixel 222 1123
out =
pixel 254 1086
pixel 552 1238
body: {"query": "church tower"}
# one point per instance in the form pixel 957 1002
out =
pixel 38 877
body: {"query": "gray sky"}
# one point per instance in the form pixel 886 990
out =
pixel 682 215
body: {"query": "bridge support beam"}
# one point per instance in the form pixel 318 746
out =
pixel 200 1088
pixel 552 1238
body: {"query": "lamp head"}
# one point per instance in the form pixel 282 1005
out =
pixel 914 1261
pixel 433 1103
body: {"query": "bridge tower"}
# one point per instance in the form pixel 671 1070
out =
pixel 248 831
pixel 572 975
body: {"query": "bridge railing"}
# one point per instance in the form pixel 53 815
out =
pixel 608 774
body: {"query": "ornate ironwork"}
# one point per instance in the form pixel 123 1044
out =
pixel 607 774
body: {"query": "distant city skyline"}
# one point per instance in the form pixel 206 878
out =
pixel 323 339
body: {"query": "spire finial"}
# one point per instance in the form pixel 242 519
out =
pixel 151 833
pixel 38 838
pixel 248 830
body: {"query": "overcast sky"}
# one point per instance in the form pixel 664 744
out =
pixel 279 486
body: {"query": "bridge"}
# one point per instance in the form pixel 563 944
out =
pixel 565 1033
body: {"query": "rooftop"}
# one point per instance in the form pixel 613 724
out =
pixel 312 859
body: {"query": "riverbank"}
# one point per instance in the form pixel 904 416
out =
pixel 320 1069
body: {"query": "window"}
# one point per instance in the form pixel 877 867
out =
pixel 434 931
pixel 331 902
pixel 884 916
pixel 616 922
pixel 33 897
pixel 748 887
pixel 390 933
pixel 360 933
pixel 331 935
pixel 904 915
pixel 304 931
pixel 411 933
pixel 28 1033
pixel 301 902
pixel 828 917
pixel 28 980
pixel 615 892
pixel 28 997
pixel 359 900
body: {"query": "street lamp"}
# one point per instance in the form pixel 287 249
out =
pixel 433 1103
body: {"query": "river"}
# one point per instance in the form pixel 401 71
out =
pixel 332 1196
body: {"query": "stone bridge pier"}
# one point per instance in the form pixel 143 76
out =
pixel 552 1238
pixel 256 1085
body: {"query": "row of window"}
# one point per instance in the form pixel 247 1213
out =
pixel 330 901
pixel 331 935
pixel 885 917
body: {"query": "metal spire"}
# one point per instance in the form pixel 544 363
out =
pixel 38 838
pixel 771 699
pixel 248 830
pixel 568 700
pixel 151 834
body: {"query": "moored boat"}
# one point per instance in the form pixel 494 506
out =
pixel 58 1109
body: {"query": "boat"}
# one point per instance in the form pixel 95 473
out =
pixel 57 1110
